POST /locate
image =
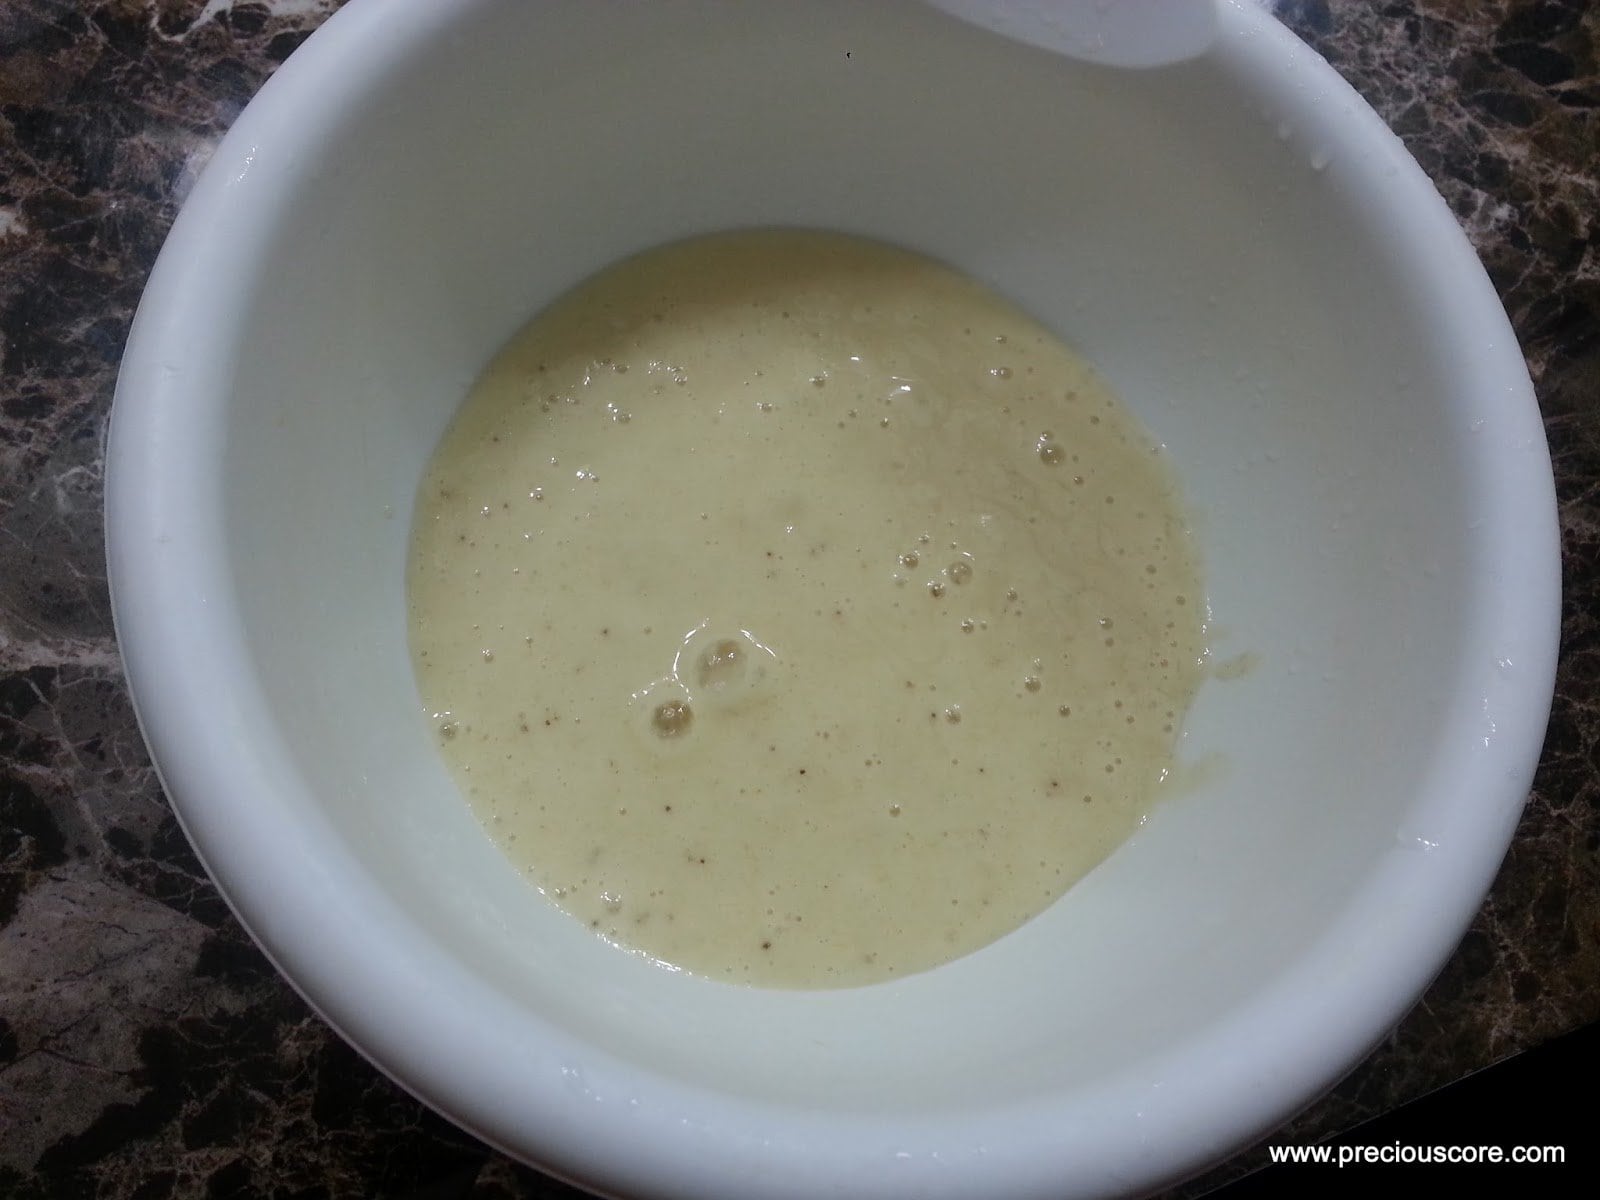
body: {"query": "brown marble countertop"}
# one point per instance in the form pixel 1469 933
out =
pixel 146 1047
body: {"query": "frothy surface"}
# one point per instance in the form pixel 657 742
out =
pixel 796 611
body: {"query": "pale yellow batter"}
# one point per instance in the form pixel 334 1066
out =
pixel 797 612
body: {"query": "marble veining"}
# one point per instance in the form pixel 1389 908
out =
pixel 148 1050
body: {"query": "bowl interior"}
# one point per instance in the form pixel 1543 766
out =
pixel 1210 234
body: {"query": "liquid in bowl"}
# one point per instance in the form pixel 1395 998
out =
pixel 796 611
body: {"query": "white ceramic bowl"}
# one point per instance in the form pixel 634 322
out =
pixel 1237 242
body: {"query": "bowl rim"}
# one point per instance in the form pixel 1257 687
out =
pixel 682 1140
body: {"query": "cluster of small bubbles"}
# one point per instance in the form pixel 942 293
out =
pixel 618 414
pixel 819 381
pixel 968 625
pixel 959 571
pixel 952 715
pixel 536 494
pixel 672 718
pixel 1000 372
pixel 488 655
pixel 484 511
pixel 764 406
pixel 1049 452
pixel 720 664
